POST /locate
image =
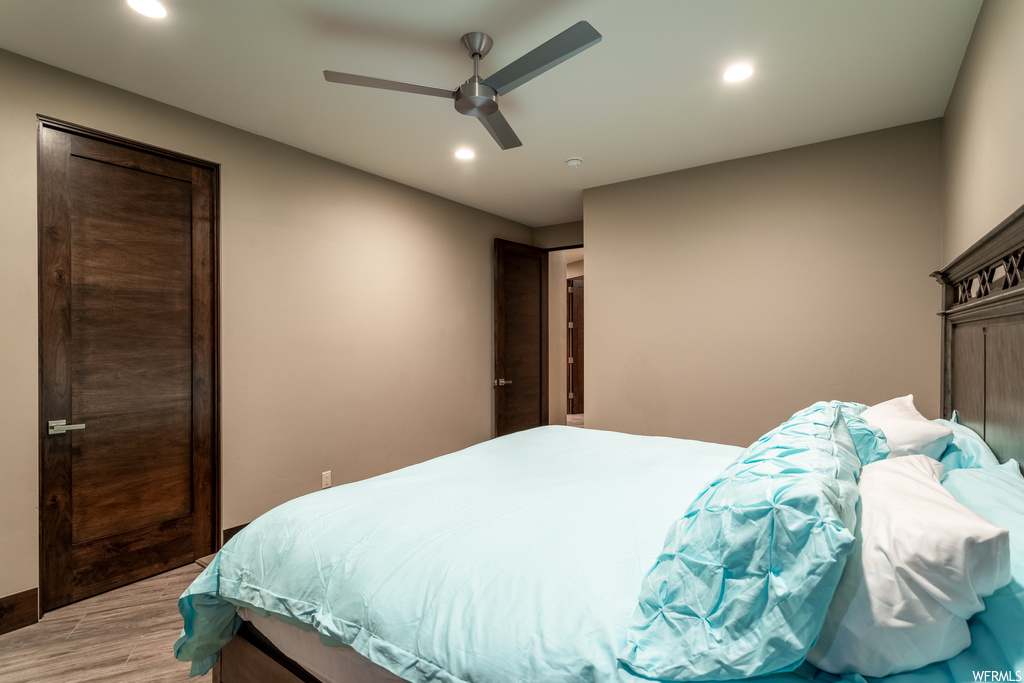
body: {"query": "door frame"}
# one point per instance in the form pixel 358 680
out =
pixel 54 477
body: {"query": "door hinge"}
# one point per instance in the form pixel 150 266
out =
pixel 570 326
pixel 570 290
pixel 570 395
pixel 570 360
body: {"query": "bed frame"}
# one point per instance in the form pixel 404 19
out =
pixel 982 379
pixel 251 658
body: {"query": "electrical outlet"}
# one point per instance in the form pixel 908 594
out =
pixel 325 479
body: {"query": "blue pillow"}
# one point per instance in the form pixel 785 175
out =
pixel 967 449
pixel 745 578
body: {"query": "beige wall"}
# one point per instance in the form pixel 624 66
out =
pixel 722 299
pixel 574 269
pixel 557 236
pixel 983 129
pixel 357 325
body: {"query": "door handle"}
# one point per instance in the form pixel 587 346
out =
pixel 502 382
pixel 60 426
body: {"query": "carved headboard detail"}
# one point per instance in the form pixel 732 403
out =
pixel 993 278
pixel 983 337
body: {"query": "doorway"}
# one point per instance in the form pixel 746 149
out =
pixel 538 317
pixel 128 341
pixel 574 338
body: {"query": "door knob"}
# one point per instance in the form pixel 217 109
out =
pixel 60 426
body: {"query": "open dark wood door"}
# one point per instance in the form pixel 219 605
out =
pixel 520 337
pixel 128 350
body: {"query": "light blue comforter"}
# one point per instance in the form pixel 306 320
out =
pixel 395 565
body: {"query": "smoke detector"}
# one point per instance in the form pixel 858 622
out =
pixel 574 162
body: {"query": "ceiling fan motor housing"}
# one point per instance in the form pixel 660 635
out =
pixel 474 98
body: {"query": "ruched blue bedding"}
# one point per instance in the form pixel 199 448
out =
pixel 743 583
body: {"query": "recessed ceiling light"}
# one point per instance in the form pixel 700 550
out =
pixel 738 72
pixel 149 8
pixel 465 153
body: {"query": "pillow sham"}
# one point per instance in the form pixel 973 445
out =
pixel 920 567
pixel 906 430
pixel 746 575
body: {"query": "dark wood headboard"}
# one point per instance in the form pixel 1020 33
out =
pixel 983 338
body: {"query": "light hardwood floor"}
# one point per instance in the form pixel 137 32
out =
pixel 121 636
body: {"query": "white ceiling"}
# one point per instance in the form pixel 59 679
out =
pixel 647 99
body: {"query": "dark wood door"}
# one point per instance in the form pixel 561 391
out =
pixel 520 337
pixel 128 339
pixel 574 338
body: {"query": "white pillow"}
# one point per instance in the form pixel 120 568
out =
pixel 919 568
pixel 906 430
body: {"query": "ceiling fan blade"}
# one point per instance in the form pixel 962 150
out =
pixel 499 129
pixel 566 44
pixel 352 79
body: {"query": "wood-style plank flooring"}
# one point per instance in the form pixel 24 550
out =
pixel 126 635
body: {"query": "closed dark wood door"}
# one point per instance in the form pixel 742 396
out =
pixel 520 337
pixel 128 340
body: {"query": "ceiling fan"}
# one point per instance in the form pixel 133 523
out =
pixel 479 97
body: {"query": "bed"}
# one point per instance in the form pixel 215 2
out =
pixel 561 554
